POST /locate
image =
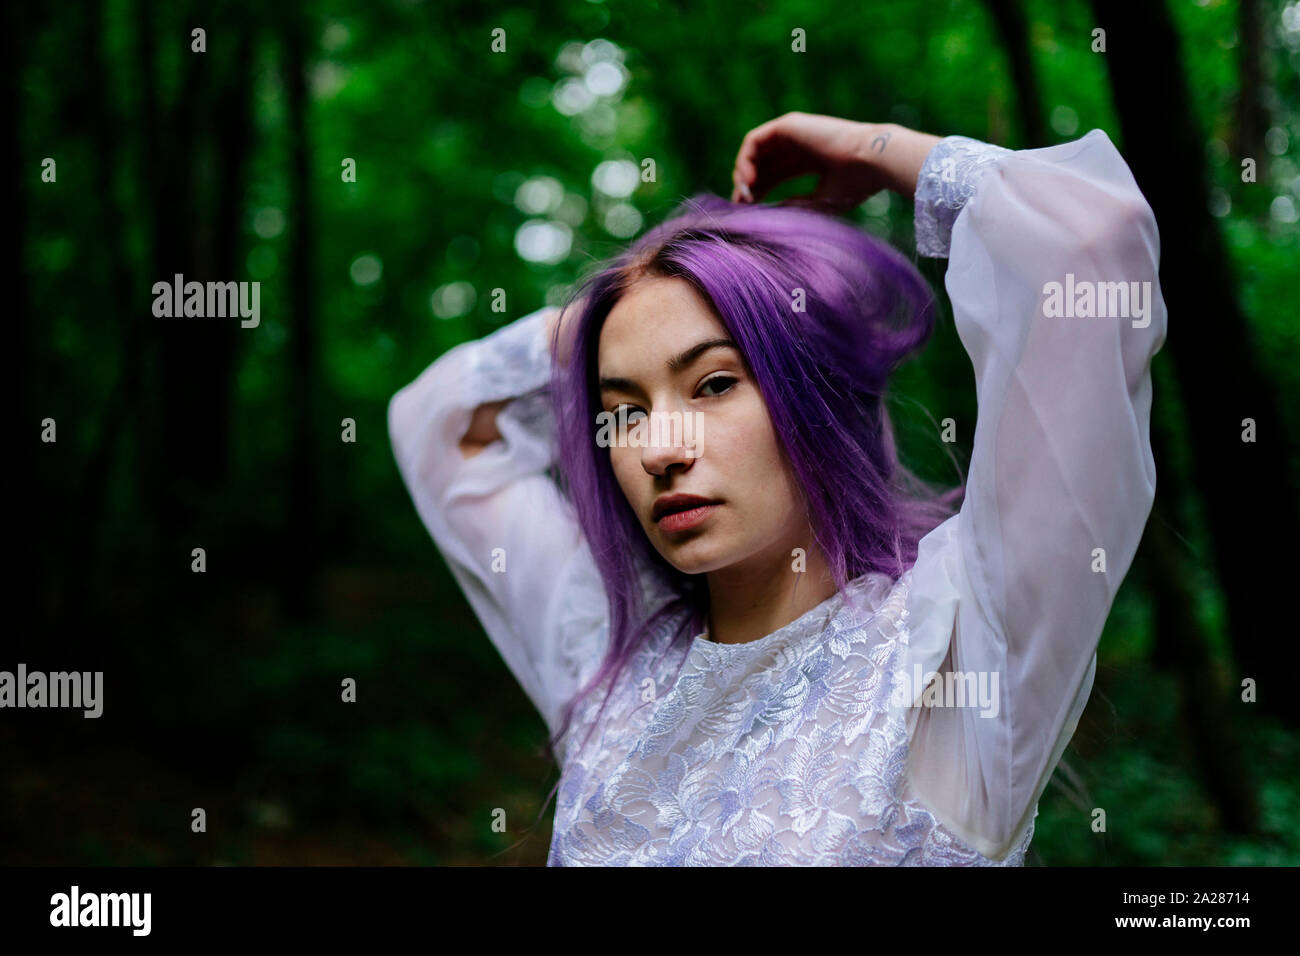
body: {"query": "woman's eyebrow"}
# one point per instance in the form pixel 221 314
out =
pixel 675 364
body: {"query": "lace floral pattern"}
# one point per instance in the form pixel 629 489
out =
pixel 781 751
pixel 947 180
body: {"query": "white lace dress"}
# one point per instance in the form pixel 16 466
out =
pixel 814 745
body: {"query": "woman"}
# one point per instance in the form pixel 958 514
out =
pixel 734 637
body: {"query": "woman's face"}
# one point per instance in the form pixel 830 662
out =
pixel 654 357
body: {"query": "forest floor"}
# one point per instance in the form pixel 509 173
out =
pixel 442 743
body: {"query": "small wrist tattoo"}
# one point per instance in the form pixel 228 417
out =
pixel 879 142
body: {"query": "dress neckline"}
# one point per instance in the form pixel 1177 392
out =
pixel 829 608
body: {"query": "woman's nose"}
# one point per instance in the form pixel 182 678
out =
pixel 672 438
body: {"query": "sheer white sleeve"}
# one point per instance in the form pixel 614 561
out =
pixel 499 520
pixel 1053 282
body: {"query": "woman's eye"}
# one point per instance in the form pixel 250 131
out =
pixel 719 382
pixel 624 413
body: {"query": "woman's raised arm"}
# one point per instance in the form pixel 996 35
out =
pixel 473 438
pixel 1055 295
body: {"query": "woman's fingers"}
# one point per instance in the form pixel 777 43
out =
pixel 778 159
pixel 791 145
pixel 833 149
pixel 768 155
pixel 746 170
pixel 745 173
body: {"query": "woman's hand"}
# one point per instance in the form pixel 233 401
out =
pixel 852 160
pixel 482 430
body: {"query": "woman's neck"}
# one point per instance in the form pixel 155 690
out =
pixel 748 602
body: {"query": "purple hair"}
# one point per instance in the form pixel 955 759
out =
pixel 822 373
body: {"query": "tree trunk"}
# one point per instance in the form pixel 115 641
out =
pixel 1009 19
pixel 31 576
pixel 1249 502
pixel 1183 647
pixel 127 308
pixel 1252 113
pixel 301 557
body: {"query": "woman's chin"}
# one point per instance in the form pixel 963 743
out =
pixel 695 557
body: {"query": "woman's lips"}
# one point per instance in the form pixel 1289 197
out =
pixel 683 520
